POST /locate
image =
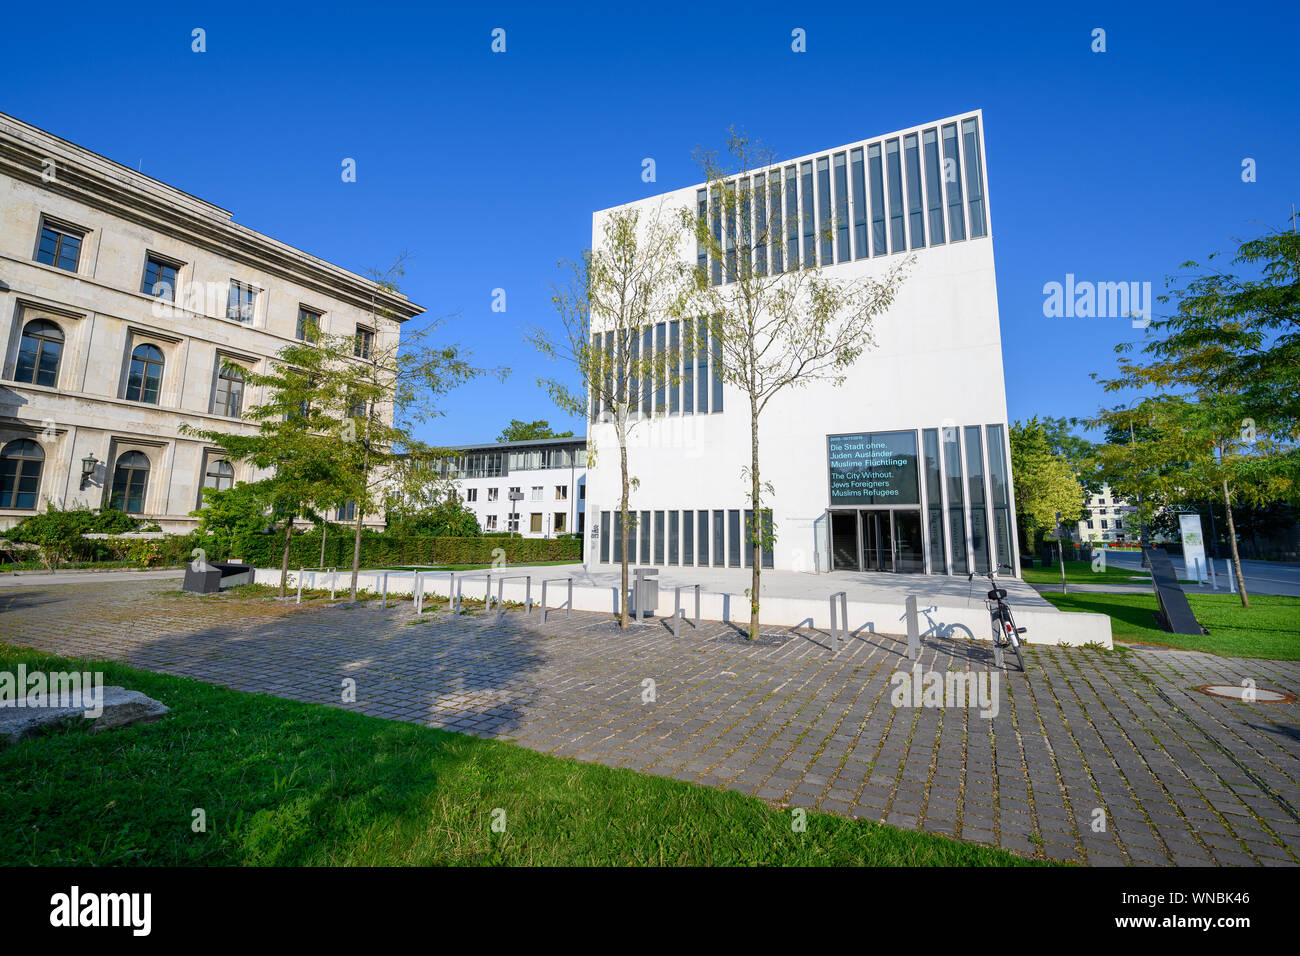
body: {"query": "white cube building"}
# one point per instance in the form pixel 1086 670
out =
pixel 906 466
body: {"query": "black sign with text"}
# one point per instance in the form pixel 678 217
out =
pixel 873 468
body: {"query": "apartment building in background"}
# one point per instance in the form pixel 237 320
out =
pixel 906 466
pixel 123 302
pixel 535 488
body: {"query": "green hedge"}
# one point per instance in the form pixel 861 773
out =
pixel 380 550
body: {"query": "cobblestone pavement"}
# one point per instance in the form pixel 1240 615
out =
pixel 1085 738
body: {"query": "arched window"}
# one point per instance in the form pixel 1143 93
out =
pixel 20 473
pixel 145 379
pixel 38 353
pixel 230 392
pixel 220 475
pixel 130 478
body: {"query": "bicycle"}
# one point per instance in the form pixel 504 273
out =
pixel 1005 632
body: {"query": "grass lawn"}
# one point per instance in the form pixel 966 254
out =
pixel 1081 572
pixel 1269 628
pixel 287 783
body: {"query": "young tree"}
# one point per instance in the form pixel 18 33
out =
pixel 298 439
pixel 630 281
pixel 1045 482
pixel 1221 406
pixel 382 391
pixel 773 328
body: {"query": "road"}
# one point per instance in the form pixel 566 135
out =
pixel 1262 577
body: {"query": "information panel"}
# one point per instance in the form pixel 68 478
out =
pixel 873 468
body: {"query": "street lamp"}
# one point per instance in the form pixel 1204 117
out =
pixel 87 468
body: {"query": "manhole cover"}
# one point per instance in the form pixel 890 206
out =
pixel 1246 694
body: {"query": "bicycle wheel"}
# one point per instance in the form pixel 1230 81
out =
pixel 1014 637
pixel 995 621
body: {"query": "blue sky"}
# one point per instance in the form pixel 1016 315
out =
pixel 486 167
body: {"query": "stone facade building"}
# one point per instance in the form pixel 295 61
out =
pixel 121 300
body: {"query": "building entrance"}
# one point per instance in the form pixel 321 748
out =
pixel 877 539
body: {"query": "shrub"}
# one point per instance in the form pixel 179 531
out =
pixel 57 532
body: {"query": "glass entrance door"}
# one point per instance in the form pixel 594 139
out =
pixel 844 541
pixel 877 541
pixel 909 548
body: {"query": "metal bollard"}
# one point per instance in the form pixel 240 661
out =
pixel 334 580
pixel 417 593
pixel 384 603
pixel 300 570
pixel 569 613
pixel 835 629
pixel 544 600
pixel 913 629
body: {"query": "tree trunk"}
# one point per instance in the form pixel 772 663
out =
pixel 284 560
pixel 623 601
pixel 756 517
pixel 1232 543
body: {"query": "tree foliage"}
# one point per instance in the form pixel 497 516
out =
pixel 1045 482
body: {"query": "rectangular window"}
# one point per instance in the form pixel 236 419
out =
pixel 733 538
pixel 956 518
pixel 860 249
pixel 346 512
pixel 701 248
pixel 618 537
pixel 761 238
pixel 952 178
pixel 809 229
pixel 843 252
pixel 604 537
pixel 647 360
pixel 934 499
pixel 536 493
pixel 719 539
pixel 557 522
pixel 490 523
pixel 308 322
pixel 768 558
pixel 776 222
pixel 240 301
pixel 894 169
pixel 59 246
pixel 535 522
pixel 747 552
pixel 688 537
pixel 745 269
pixel 878 245
pixel 493 494
pixel 659 537
pixel 633 366
pixel 607 363
pixel 979 538
pixel 729 199
pixel 594 356
pixel 362 342
pixel 661 341
pixel 672 367
pixel 1001 491
pixel 471 494
pixel 702 539
pixel 933 184
pixel 688 368
pixel 229 399
pixel 791 219
pixel 673 524
pixel 561 492
pixel 824 210
pixel 915 201
pixel 970 134
pixel 702 367
pixel 159 278
pixel 716 221
pixel 644 529
pixel 716 363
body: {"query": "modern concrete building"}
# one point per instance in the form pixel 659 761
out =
pixel 537 488
pixel 903 468
pixel 121 299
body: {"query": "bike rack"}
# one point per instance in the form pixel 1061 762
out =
pixel 568 603
pixel 417 596
pixel 528 592
pixel 678 612
pixel 333 579
pixel 835 631
pixel 487 597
